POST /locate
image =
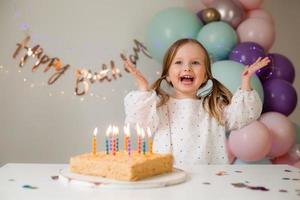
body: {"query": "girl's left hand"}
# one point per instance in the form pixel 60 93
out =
pixel 258 64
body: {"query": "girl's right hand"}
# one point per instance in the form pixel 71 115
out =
pixel 139 77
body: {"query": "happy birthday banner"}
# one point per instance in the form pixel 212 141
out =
pixel 83 76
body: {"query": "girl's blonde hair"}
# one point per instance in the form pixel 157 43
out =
pixel 214 100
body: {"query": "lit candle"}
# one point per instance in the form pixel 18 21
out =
pixel 117 138
pixel 129 146
pixel 138 131
pixel 114 141
pixel 144 141
pixel 126 136
pixel 127 139
pixel 150 142
pixel 108 131
pixel 95 141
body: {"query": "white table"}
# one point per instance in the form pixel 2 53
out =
pixel 274 177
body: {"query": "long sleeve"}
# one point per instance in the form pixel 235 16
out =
pixel 140 107
pixel 245 107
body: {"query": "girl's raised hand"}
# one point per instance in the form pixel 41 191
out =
pixel 139 77
pixel 258 64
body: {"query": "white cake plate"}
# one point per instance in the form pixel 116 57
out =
pixel 175 177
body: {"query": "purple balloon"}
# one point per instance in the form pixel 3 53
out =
pixel 279 96
pixel 247 53
pixel 199 15
pixel 282 68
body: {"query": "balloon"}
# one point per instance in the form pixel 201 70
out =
pixel 231 156
pixel 291 157
pixel 167 26
pixel 199 15
pixel 297 128
pixel 231 11
pixel 257 30
pixel 263 161
pixel 218 38
pixel 261 14
pixel 282 131
pixel 247 53
pixel 210 15
pixel 297 164
pixel 228 72
pixel 249 145
pixel 208 2
pixel 282 68
pixel 280 96
pixel 251 4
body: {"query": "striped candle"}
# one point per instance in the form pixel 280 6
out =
pixel 150 142
pixel 129 146
pixel 144 141
pixel 107 139
pixel 138 131
pixel 95 141
pixel 117 138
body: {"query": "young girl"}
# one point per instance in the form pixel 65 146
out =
pixel 190 126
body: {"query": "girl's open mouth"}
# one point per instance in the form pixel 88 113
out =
pixel 187 79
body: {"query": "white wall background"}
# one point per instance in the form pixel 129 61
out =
pixel 41 123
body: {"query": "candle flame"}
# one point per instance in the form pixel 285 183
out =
pixel 138 129
pixel 149 132
pixel 95 131
pixel 117 130
pixel 127 130
pixel 108 130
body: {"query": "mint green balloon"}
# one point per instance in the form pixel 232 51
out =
pixel 219 38
pixel 297 127
pixel 229 72
pixel 167 26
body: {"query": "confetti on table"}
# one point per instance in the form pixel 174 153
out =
pixel 287 170
pixel 97 183
pixel 285 178
pixel 283 190
pixel 206 183
pixel 54 177
pixel 11 179
pixel 29 187
pixel 221 173
pixel 238 171
pixel 239 185
pixel 243 185
pixel 295 179
pixel 258 188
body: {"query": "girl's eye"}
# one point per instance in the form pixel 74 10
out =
pixel 195 63
pixel 178 62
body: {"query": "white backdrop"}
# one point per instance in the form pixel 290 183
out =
pixel 41 123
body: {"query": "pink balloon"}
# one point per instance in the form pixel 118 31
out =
pixel 297 164
pixel 249 145
pixel 282 130
pixel 260 14
pixel 251 4
pixel 290 158
pixel 257 30
pixel 231 156
pixel 207 2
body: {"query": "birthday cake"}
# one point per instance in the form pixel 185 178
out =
pixel 121 166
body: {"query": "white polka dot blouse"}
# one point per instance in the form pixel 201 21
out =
pixel 182 126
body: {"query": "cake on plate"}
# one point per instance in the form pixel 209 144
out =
pixel 121 166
